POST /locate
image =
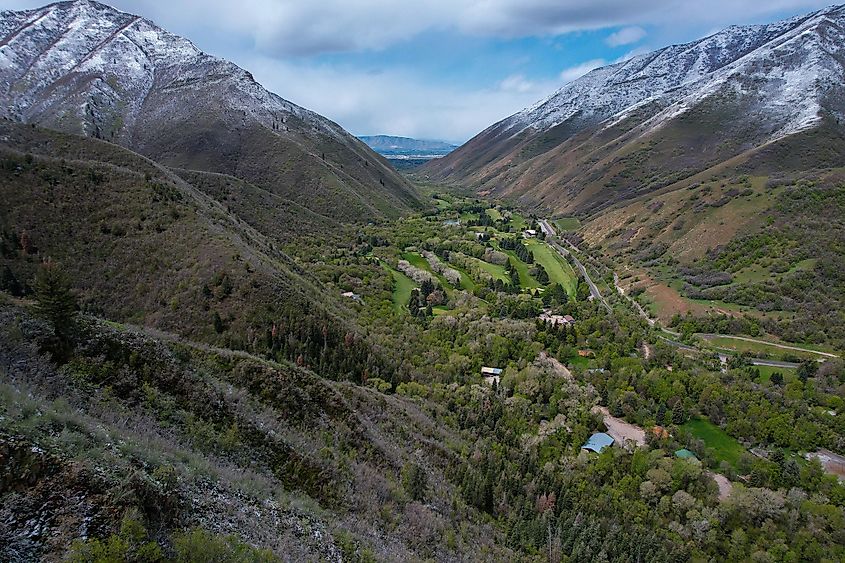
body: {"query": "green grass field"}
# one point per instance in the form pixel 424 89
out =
pixel 725 448
pixel 402 286
pixel 494 214
pixel 518 221
pixel 526 280
pixel 467 282
pixel 567 223
pixel 577 361
pixel 417 260
pixel 558 269
pixel 736 345
pixel 767 371
pixel 498 272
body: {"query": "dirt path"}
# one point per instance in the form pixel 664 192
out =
pixel 832 463
pixel 725 486
pixel 553 364
pixel 767 343
pixel 620 430
pixel 639 308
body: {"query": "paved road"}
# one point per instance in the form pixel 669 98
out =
pixel 594 290
pixel 547 228
pixel 677 344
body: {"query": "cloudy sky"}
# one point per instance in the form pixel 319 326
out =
pixel 442 69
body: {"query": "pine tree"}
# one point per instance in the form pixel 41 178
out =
pixel 56 301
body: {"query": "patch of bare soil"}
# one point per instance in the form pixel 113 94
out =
pixel 620 430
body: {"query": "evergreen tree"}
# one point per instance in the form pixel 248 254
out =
pixel 56 301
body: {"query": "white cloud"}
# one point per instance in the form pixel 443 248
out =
pixel 397 102
pixel 577 71
pixel 625 36
pixel 516 83
pixel 307 27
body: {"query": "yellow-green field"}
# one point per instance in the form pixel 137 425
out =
pixel 558 269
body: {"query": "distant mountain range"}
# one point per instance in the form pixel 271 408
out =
pixel 402 148
pixel 760 95
pixel 86 68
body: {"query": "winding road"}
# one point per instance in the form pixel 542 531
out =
pixel 594 290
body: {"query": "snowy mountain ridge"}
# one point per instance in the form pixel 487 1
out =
pixel 84 47
pixel 85 68
pixel 796 52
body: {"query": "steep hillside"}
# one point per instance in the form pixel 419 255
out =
pixel 193 253
pixel 643 124
pixel 85 68
pixel 138 438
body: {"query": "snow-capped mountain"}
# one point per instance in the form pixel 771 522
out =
pixel 87 68
pixel 787 77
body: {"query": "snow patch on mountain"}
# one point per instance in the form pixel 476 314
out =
pixel 790 65
pixel 106 61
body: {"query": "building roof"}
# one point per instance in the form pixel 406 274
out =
pixel 491 371
pixel 598 442
pixel 685 454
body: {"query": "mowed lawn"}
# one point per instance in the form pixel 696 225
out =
pixel 498 272
pixel 518 222
pixel 420 262
pixel 724 447
pixel 557 267
pixel 402 286
pixel 494 214
pixel 766 373
pixel 526 280
pixel 466 281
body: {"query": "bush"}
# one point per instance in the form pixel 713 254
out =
pixel 199 546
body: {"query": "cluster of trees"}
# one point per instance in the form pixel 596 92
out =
pixel 522 252
pixel 423 298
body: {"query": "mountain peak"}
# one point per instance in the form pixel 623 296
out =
pixel 87 68
pixel 739 88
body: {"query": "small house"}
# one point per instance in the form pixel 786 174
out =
pixel 491 375
pixel 556 320
pixel 598 442
pixel 529 233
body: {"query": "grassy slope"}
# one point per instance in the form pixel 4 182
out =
pixel 558 269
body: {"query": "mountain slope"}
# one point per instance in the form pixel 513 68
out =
pixel 193 253
pixel 86 68
pixel 639 125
